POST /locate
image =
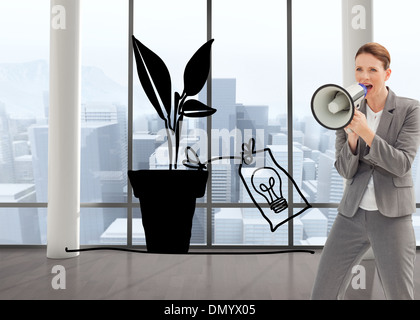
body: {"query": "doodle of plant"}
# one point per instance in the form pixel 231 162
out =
pixel 156 81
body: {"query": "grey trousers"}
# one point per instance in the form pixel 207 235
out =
pixel 394 247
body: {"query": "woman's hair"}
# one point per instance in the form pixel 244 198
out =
pixel 378 51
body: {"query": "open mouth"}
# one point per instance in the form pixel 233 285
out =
pixel 368 87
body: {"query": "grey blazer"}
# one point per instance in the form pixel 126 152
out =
pixel 389 160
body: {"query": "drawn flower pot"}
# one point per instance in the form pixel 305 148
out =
pixel 168 197
pixel 167 201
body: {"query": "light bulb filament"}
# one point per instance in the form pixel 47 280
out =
pixel 277 204
pixel 269 189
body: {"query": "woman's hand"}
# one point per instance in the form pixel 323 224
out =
pixel 352 139
pixel 359 128
pixel 358 123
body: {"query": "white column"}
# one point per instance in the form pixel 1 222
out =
pixel 64 130
pixel 357 30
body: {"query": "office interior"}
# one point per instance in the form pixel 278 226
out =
pixel 74 119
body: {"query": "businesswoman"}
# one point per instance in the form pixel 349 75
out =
pixel 374 154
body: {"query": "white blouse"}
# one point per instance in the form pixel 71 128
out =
pixel 369 201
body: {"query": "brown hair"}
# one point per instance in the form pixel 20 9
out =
pixel 378 51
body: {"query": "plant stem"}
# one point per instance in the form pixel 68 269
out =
pixel 179 103
pixel 177 136
pixel 176 106
pixel 168 131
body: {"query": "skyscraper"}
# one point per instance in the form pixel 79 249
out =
pixel 6 149
pixel 20 225
pixel 224 100
pixel 144 145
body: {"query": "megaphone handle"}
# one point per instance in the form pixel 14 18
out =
pixel 358 103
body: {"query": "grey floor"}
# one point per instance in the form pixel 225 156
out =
pixel 26 273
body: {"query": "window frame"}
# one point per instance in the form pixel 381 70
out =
pixel 133 203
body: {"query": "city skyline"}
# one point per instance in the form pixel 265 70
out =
pixel 104 126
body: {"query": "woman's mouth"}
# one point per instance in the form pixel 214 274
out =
pixel 368 87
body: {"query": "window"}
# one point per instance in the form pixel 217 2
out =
pixel 250 76
pixel 249 92
pixel 104 101
pixel 23 83
pixel 174 30
pixel 316 61
pixel 104 122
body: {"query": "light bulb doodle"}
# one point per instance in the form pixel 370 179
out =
pixel 267 188
pixel 266 181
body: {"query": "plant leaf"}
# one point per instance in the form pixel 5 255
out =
pixel 197 70
pixel 154 77
pixel 195 109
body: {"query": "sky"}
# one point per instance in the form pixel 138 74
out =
pixel 250 41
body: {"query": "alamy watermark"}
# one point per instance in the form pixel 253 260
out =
pixel 359 277
pixel 59 280
pixel 225 145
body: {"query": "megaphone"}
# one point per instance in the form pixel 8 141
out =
pixel 333 106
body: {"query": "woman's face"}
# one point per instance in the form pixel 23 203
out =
pixel 370 71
